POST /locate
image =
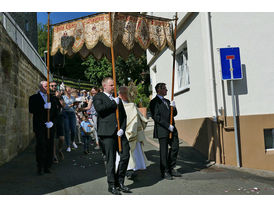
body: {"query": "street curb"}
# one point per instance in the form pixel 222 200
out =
pixel 258 172
pixel 261 173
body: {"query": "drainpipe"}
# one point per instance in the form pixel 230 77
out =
pixel 211 66
pixel 211 72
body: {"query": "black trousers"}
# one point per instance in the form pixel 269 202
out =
pixel 44 149
pixel 110 144
pixel 168 157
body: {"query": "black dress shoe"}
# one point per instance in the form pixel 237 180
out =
pixel 114 191
pixel 47 170
pixel 167 176
pixel 123 188
pixel 175 173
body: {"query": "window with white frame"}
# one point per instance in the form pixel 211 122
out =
pixel 182 69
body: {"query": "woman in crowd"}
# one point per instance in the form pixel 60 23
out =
pixel 69 119
pixel 78 115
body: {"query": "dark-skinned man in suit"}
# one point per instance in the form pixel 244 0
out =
pixel 105 105
pixel 160 109
pixel 39 106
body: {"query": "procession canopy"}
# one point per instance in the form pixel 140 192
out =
pixel 132 34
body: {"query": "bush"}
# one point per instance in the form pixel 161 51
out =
pixel 137 94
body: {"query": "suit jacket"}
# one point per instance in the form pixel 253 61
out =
pixel 161 116
pixel 106 111
pixel 36 107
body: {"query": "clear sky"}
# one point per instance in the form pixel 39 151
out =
pixel 56 17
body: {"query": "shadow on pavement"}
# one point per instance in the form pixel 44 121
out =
pixel 151 175
pixel 18 177
pixel 189 160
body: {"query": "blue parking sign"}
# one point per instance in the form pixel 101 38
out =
pixel 231 63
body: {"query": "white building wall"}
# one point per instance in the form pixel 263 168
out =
pixel 253 33
pixel 163 72
pixel 197 102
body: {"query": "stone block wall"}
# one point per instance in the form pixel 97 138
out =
pixel 18 80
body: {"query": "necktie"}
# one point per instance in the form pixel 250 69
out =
pixel 45 98
pixel 165 103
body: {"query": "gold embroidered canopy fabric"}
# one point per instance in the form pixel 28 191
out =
pixel 131 34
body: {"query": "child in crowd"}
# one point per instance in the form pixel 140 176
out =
pixel 86 128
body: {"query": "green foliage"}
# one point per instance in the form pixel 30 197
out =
pixel 73 68
pixel 96 70
pixel 126 70
pixel 131 69
pixel 137 94
pixel 42 38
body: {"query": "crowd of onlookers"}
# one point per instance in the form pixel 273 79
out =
pixel 76 121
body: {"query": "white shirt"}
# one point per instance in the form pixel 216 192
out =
pixel 164 101
pixel 161 97
pixel 44 96
pixel 109 95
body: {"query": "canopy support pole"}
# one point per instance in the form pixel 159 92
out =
pixel 48 99
pixel 114 79
pixel 173 73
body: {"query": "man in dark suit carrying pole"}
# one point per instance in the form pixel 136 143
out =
pixel 105 105
pixel 38 106
pixel 160 110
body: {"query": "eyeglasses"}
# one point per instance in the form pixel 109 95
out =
pixel 53 85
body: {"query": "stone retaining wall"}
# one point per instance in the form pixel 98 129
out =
pixel 18 80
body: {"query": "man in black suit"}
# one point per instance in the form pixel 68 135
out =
pixel 38 106
pixel 160 110
pixel 105 106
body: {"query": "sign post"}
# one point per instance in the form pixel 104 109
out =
pixel 231 70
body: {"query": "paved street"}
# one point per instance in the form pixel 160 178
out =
pixel 81 174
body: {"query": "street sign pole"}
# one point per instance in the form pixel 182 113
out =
pixel 232 70
pixel 233 108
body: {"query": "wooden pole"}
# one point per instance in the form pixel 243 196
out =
pixel 173 73
pixel 48 76
pixel 114 78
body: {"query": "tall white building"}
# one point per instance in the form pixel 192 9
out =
pixel 203 99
